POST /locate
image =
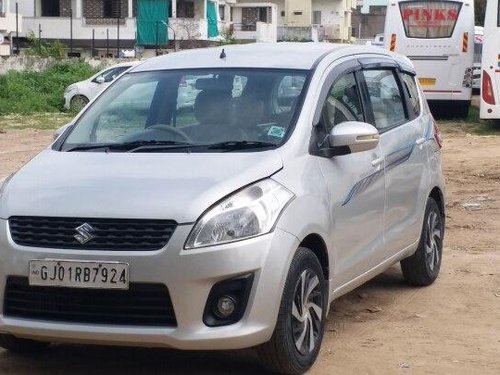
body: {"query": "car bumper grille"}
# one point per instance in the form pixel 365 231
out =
pixel 140 305
pixel 107 234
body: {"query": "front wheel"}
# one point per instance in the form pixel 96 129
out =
pixel 295 343
pixel 422 268
pixel 78 102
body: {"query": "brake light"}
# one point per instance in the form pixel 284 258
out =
pixel 437 135
pixel 487 89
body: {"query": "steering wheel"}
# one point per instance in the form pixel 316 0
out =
pixel 172 130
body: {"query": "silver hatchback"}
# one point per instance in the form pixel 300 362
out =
pixel 300 172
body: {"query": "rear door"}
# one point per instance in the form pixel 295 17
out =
pixel 395 106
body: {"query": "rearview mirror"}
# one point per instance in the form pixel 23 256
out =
pixel 61 130
pixel 353 136
pixel 100 79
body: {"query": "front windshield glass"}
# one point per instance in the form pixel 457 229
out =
pixel 167 110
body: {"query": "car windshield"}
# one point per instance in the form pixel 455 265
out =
pixel 202 110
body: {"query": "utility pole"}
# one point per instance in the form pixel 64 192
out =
pixel 71 28
pixel 17 28
pixel 118 28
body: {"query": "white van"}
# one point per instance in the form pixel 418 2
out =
pixel 438 37
pixel 490 80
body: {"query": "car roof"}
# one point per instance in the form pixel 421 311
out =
pixel 281 55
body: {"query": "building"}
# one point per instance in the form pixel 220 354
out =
pixel 106 26
pixel 368 19
pixel 8 27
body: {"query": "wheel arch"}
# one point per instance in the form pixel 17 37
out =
pixel 437 194
pixel 317 245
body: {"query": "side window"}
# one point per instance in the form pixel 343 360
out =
pixel 342 103
pixel 412 90
pixel 287 93
pixel 385 97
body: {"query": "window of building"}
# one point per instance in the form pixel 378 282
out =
pixel 185 9
pixel 50 8
pixel 221 12
pixel 317 17
pixel 112 8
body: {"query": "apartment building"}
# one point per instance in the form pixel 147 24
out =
pixel 8 26
pixel 315 19
pixel 112 25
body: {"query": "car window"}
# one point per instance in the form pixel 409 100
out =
pixel 202 107
pixel 385 98
pixel 412 90
pixel 111 74
pixel 126 113
pixel 342 103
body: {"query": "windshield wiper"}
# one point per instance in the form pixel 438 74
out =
pixel 128 146
pixel 240 145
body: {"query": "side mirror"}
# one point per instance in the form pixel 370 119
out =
pixel 61 130
pixel 353 136
pixel 100 79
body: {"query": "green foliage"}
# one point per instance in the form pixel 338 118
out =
pixel 29 92
pixel 227 35
pixel 42 48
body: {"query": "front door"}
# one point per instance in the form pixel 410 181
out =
pixel 356 188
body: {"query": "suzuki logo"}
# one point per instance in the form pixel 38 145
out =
pixel 84 233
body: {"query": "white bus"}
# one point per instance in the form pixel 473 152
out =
pixel 438 36
pixel 490 80
pixel 478 53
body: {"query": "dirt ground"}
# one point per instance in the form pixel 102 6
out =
pixel 384 327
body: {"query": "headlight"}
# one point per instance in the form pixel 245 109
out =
pixel 247 213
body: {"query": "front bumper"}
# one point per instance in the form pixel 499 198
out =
pixel 189 276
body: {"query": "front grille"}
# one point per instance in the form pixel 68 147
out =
pixel 140 305
pixel 108 234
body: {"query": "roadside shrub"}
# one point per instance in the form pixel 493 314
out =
pixel 42 48
pixel 29 92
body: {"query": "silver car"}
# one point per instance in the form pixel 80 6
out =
pixel 230 224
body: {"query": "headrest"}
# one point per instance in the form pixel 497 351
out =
pixel 212 107
pixel 214 84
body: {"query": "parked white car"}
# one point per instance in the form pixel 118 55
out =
pixel 77 95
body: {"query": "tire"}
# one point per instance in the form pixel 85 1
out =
pixel 22 346
pixel 78 102
pixel 286 353
pixel 422 268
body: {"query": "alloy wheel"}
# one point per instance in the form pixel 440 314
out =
pixel 307 312
pixel 433 240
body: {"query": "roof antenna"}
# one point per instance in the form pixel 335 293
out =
pixel 222 54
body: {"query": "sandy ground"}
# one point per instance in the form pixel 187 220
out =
pixel 384 327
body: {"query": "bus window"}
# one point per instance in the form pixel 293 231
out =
pixel 429 19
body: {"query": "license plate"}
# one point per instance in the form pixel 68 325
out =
pixel 79 274
pixel 427 81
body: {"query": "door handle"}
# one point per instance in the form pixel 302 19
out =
pixel 377 162
pixel 420 141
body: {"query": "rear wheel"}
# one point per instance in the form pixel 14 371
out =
pixel 21 346
pixel 78 102
pixel 297 337
pixel 422 268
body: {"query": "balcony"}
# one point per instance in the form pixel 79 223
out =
pixel 8 22
pixel 59 28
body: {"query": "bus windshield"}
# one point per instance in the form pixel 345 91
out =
pixel 429 19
